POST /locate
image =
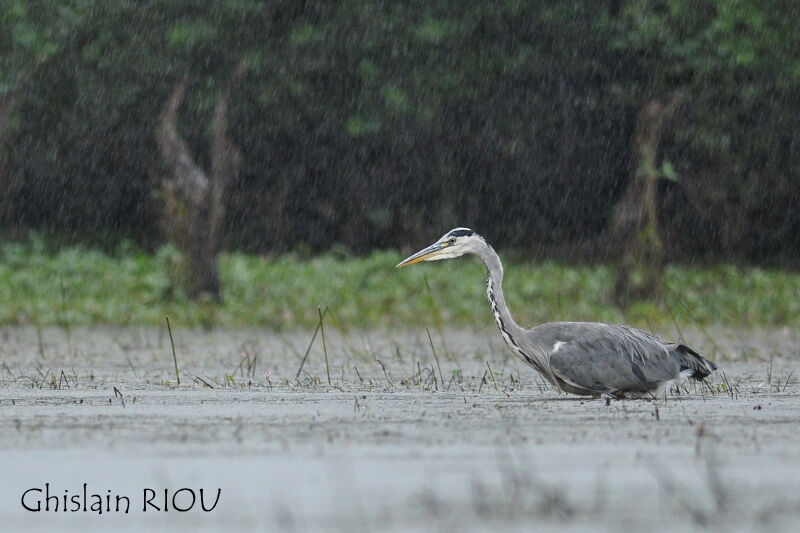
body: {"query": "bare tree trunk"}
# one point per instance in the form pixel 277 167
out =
pixel 634 228
pixel 8 104
pixel 193 198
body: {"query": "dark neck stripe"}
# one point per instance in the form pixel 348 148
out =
pixel 497 317
pixel 506 334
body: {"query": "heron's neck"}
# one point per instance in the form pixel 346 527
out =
pixel 524 345
pixel 494 290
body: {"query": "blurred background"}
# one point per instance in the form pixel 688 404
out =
pixel 627 135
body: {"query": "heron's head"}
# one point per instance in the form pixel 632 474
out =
pixel 454 243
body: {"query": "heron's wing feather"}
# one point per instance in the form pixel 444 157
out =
pixel 603 357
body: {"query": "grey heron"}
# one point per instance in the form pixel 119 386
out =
pixel 585 358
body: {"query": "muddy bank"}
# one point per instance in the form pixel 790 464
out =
pixel 468 439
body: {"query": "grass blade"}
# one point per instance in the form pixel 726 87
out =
pixel 436 357
pixel 310 344
pixel 324 346
pixel 174 357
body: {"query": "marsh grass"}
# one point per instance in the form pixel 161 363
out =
pixel 425 377
pixel 80 286
pixel 174 356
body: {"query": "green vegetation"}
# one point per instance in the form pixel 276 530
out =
pixel 77 285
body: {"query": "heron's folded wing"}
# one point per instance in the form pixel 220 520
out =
pixel 614 358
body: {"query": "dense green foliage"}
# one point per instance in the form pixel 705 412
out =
pixel 366 123
pixel 75 286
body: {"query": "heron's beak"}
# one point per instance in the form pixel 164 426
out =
pixel 422 255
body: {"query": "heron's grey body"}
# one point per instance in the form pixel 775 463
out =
pixel 593 358
pixel 586 358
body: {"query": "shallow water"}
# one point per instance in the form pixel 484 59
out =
pixel 397 441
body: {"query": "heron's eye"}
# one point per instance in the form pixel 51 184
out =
pixel 451 240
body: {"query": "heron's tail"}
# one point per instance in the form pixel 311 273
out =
pixel 693 364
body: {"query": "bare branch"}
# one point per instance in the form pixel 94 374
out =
pixel 226 159
pixel 184 173
pixel 225 156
